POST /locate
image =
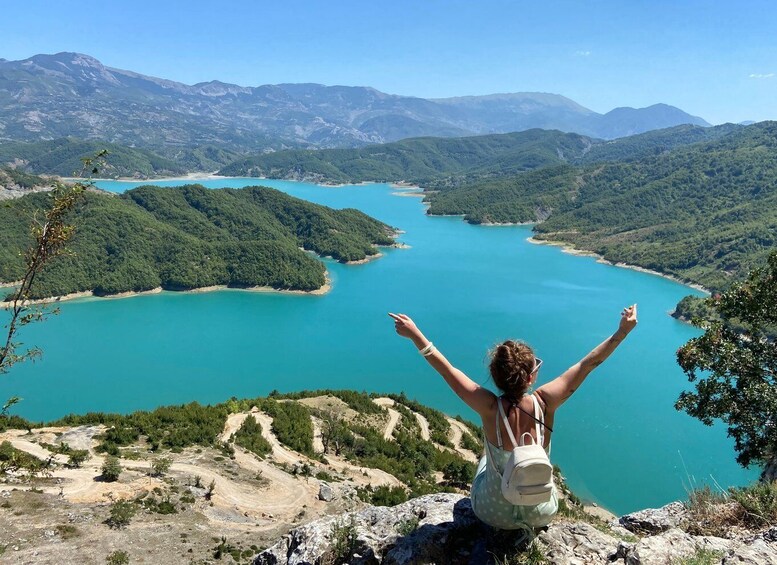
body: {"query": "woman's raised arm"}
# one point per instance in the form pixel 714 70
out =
pixel 480 399
pixel 557 391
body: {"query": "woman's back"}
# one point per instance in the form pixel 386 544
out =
pixel 488 502
pixel 519 417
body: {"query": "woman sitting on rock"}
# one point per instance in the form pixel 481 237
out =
pixel 514 414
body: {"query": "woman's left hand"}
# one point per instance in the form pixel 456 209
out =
pixel 404 325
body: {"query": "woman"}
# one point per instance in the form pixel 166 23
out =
pixel 514 368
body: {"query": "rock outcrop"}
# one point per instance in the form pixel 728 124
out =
pixel 442 528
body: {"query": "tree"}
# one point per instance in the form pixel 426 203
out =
pixel 734 366
pixel 50 236
pixel 121 515
pixel 160 466
pixel 76 457
pixel 334 433
pixel 111 469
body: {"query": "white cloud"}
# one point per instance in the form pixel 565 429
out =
pixel 762 75
pixel 582 53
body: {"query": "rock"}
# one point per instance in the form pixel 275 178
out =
pixel 421 530
pixel 654 520
pixel 325 492
pixel 441 528
pixel 756 553
pixel 578 544
pixel 671 546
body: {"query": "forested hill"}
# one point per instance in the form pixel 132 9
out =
pixel 441 163
pixel 706 212
pixel 420 160
pixel 63 157
pixel 190 237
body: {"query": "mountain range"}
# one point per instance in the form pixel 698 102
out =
pixel 70 94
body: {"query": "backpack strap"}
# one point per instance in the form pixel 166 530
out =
pixel 507 426
pixel 539 418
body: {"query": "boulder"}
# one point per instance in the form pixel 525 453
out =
pixel 325 492
pixel 671 546
pixel 422 530
pixel 654 520
pixel 578 544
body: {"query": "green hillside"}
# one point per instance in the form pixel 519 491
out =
pixel 705 212
pixel 63 157
pixel 190 237
pixel 421 160
pixel 653 143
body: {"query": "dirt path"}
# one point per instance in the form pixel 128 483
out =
pixel 388 432
pixel 424 424
pixel 233 423
pixel 280 453
pixel 361 476
pixel 457 430
pixel 318 442
pixel 281 499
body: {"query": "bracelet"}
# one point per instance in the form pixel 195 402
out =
pixel 431 352
pixel 425 351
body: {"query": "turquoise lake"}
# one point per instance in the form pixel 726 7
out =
pixel 619 440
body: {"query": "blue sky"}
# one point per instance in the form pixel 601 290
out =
pixel 711 58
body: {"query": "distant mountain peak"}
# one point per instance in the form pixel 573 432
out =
pixel 69 93
pixel 68 58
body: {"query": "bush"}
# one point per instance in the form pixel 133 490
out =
pixel 160 466
pixel 76 457
pixel 343 537
pixel 121 515
pixel 118 558
pixel 111 469
pixel 389 496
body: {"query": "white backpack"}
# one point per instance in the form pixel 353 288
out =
pixel 527 477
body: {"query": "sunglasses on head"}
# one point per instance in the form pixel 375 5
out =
pixel 537 364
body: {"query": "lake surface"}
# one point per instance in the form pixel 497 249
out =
pixel 619 440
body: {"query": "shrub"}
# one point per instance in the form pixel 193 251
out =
pixel 121 514
pixel 76 457
pixel 211 490
pixel 343 538
pixel 67 531
pixel 160 466
pixel 111 469
pixel 118 558
pixel 388 496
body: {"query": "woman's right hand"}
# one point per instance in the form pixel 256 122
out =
pixel 404 326
pixel 628 319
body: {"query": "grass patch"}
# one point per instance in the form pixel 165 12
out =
pixel 701 557
pixel 723 513
pixel 67 531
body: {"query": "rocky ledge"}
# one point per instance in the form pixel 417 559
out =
pixel 442 528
